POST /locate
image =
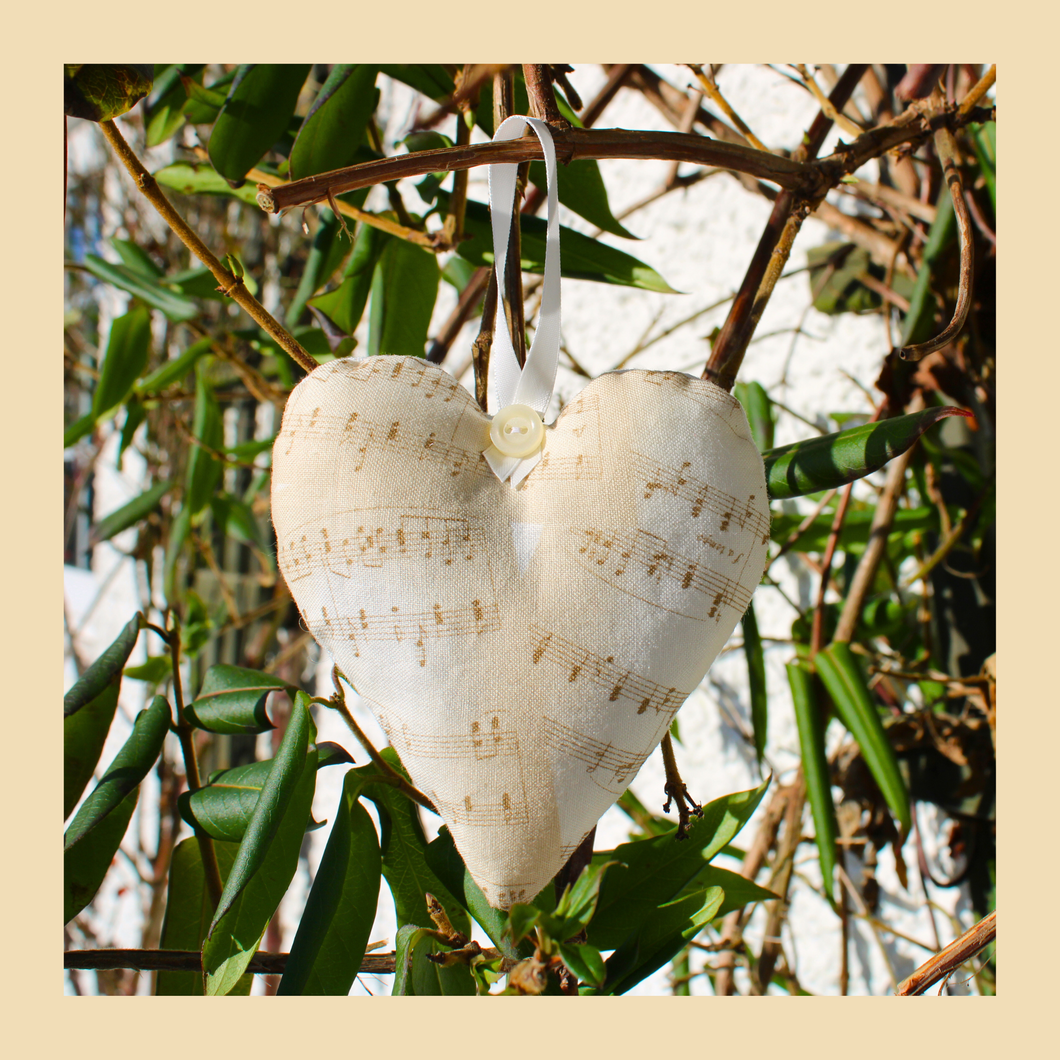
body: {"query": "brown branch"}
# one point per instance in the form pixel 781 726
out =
pixel 675 790
pixel 230 284
pixel 538 78
pixel 980 89
pixel 616 78
pixel 465 306
pixel 946 962
pixel 773 249
pixel 571 144
pixel 262 963
pixel 946 146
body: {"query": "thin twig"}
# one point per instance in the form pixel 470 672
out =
pixel 944 964
pixel 980 89
pixel 710 87
pixel 232 285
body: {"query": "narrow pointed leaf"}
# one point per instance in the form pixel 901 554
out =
pixel 188 914
pixel 136 510
pixel 232 700
pixel 189 179
pixel 582 191
pixel 267 858
pixel 105 671
pixel 810 721
pixel 204 471
pixel 919 320
pixel 759 411
pixel 739 890
pixel 582 258
pixel 652 942
pixel 86 864
pixel 149 291
pixel 839 671
pixel 137 259
pixel 79 429
pixel 128 347
pixel 836 459
pixel 255 116
pixel 404 855
pixel 345 305
pixel 653 871
pixel 131 764
pixel 756 679
pixel 404 291
pixel 584 961
pixel 334 930
pixel 174 371
pixel 164 108
pixel 334 127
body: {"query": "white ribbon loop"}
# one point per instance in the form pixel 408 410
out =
pixel 507 384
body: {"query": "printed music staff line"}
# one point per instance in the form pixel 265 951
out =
pixel 578 662
pixel 678 483
pixel 611 554
pixel 595 755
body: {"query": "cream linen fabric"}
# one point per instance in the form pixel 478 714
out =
pixel 523 649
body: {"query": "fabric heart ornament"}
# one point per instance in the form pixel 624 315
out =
pixel 526 647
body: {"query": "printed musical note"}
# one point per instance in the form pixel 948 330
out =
pixel 578 662
pixel 489 737
pixel 611 767
pixel 365 436
pixel 625 561
pixel 678 483
pixel 508 809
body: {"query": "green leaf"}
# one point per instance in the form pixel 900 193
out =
pixel 128 347
pixel 333 933
pixel 415 976
pixel 345 305
pixel 130 514
pixel 237 519
pixel 131 764
pixel 105 671
pixel 174 371
pixel 154 671
pixel 432 79
pixel 136 258
pixel 404 854
pixel 175 306
pixel 78 430
pixel 178 534
pixel 135 414
pixel 334 127
pixel 984 143
pixel 204 104
pixel 232 700
pixel 88 710
pixel 329 249
pixel 404 291
pixel 581 190
pixel 809 718
pixel 102 91
pixel 224 807
pixel 759 411
pixel 204 470
pixel 653 871
pixel 86 865
pixel 582 258
pixel 188 913
pixel 584 961
pixel 836 459
pixel 839 671
pixel 739 890
pixel 919 321
pixel 841 276
pixel 855 530
pixel 652 942
pixel 191 179
pixel 756 679
pixel 255 116
pixel 267 858
pixel 164 108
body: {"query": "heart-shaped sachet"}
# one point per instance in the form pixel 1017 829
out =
pixel 524 649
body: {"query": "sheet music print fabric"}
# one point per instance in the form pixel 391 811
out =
pixel 524 649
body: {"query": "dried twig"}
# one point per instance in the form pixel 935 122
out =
pixel 262 963
pixel 945 963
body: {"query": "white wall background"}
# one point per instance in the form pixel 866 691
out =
pixel 700 239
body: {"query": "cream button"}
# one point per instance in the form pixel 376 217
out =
pixel 517 431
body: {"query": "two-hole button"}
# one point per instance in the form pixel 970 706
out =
pixel 517 431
